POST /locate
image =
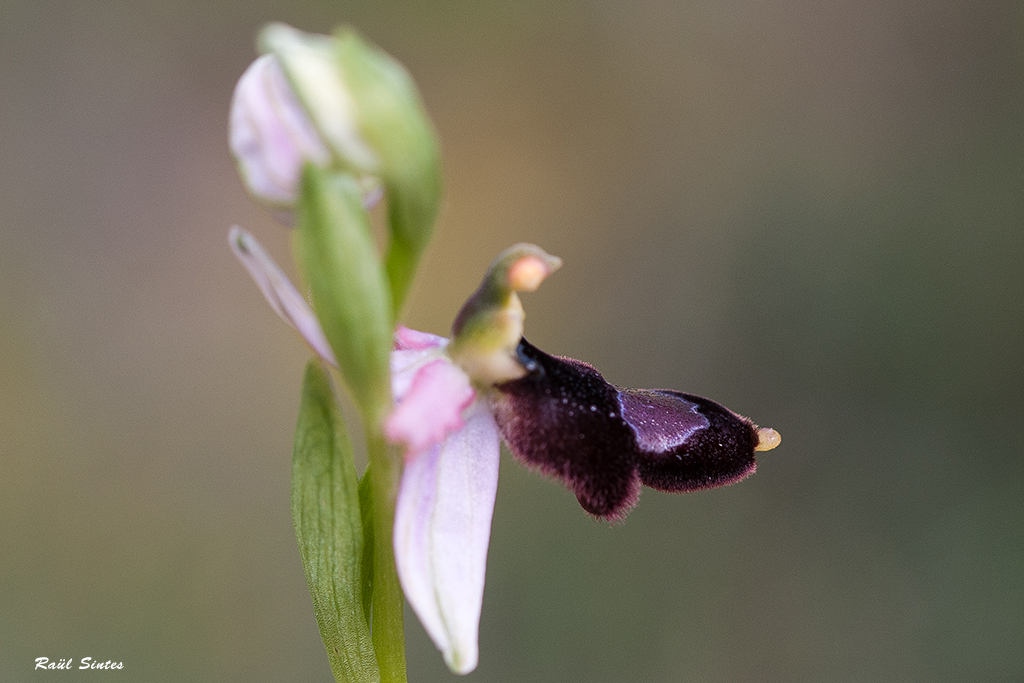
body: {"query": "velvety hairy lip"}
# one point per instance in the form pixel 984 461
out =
pixel 602 442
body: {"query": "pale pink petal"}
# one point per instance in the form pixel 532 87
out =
pixel 271 135
pixel 405 365
pixel 408 340
pixel 431 408
pixel 412 351
pixel 279 291
pixel 442 530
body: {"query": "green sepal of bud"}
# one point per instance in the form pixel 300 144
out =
pixel 394 123
pixel 487 330
pixel 329 529
pixel 350 294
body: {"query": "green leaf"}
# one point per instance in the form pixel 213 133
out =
pixel 350 293
pixel 329 528
pixel 395 124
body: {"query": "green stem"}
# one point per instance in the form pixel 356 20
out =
pixel 387 621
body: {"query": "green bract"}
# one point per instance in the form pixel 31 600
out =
pixel 350 294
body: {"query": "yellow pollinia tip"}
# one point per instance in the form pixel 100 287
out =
pixel 767 439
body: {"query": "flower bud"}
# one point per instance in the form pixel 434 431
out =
pixel 367 110
pixel 290 107
pixel 341 104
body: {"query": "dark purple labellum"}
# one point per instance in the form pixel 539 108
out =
pixel 602 442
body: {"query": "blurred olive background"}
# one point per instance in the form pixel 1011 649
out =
pixel 811 212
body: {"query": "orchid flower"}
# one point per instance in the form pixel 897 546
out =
pixel 456 399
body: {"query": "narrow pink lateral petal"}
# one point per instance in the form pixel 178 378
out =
pixel 442 530
pixel 279 291
pixel 431 408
